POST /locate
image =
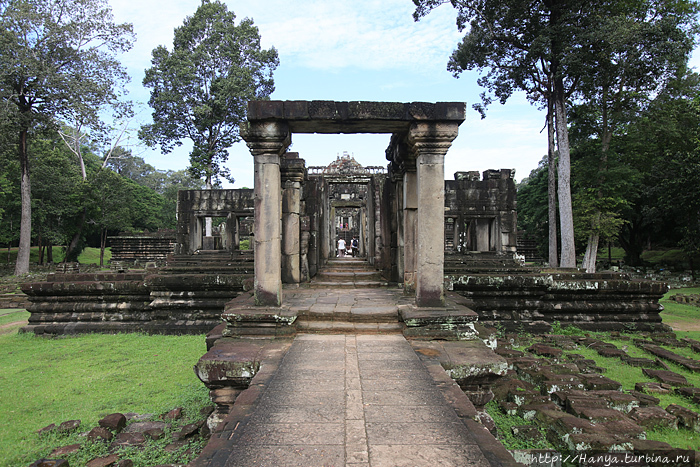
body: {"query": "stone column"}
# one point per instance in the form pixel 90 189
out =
pixel 267 141
pixel 293 170
pixel 429 144
pixel 410 213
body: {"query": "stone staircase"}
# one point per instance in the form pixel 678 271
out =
pixel 346 273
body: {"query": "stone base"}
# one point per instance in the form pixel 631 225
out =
pixel 244 319
pixel 471 364
pixel 454 321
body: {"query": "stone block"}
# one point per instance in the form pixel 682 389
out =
pixel 65 450
pixel 50 463
pixel 625 427
pixel 530 411
pixel 545 350
pixel 667 377
pixel 596 382
pixel 598 415
pixel 528 432
pixel 653 417
pixel 68 426
pixel 645 400
pixel 115 422
pixel 653 388
pixel 100 433
pixel 521 396
pixel 686 417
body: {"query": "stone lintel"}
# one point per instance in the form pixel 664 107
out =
pixel 353 117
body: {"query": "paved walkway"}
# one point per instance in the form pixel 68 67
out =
pixel 352 400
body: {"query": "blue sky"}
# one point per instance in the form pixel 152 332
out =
pixel 338 50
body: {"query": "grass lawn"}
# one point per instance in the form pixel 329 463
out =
pixel 88 256
pixel 46 381
pixel 681 317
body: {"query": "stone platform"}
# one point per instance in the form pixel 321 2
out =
pixel 352 400
pixel 330 379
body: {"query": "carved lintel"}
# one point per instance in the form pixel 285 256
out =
pixel 431 137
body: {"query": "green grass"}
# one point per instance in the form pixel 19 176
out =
pixel 88 256
pixel 679 315
pixel 46 381
pixel 12 315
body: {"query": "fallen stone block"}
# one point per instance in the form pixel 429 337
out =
pixel 545 417
pixel 617 400
pixel 603 441
pixel 595 382
pixel 525 396
pixel 128 439
pixel 50 463
pixel 653 417
pixel 688 392
pixel 65 450
pixel 625 427
pixel 598 414
pixel 666 377
pixel 100 433
pixel 645 400
pixel 653 388
pixel 561 383
pixel 529 411
pixel 67 427
pixel 503 386
pixel 545 350
pixel 640 362
pixel 108 461
pixel 508 408
pixel 528 432
pixel 611 352
pixel 115 422
pixel 686 417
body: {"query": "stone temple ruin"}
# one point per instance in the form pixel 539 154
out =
pixel 428 235
pixel 442 256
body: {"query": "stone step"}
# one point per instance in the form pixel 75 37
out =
pixel 305 326
pixel 344 276
pixel 346 284
pixel 375 314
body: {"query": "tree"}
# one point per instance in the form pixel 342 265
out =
pixel 527 46
pixel 200 90
pixel 632 53
pixel 57 62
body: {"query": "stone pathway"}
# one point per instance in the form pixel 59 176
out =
pixel 352 400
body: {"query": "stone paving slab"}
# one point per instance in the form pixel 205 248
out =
pixel 353 400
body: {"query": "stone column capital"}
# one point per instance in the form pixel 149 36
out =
pixel 431 137
pixel 266 138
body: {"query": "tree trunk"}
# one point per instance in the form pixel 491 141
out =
pixel 552 189
pixel 208 222
pixel 591 255
pixel 49 252
pixel 41 251
pixel 25 226
pixel 103 242
pixel 72 252
pixel 566 217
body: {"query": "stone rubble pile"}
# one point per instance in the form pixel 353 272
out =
pixel 566 397
pixel 127 430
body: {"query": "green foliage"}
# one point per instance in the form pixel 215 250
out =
pixel 533 211
pixel 201 88
pixel 503 424
pixel 48 381
pixel 567 331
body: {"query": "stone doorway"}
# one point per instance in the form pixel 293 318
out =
pixel 421 134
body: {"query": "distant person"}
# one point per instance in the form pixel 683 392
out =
pixel 355 245
pixel 341 248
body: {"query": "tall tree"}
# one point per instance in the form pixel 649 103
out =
pixel 201 88
pixel 525 46
pixel 631 54
pixel 57 62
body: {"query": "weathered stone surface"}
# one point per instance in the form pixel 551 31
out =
pixel 142 427
pixel 526 396
pixel 596 382
pixel 50 463
pixel 689 363
pixel 545 350
pixel 68 426
pixel 653 417
pixel 129 439
pixel 188 431
pixel 645 400
pixel 529 411
pixel 625 427
pixel 653 388
pixel 47 429
pixel 100 433
pixel 686 417
pixel 666 377
pixel 175 414
pixel 598 414
pixel 115 422
pixel 108 461
pixel 65 450
pixel 529 432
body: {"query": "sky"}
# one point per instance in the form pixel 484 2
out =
pixel 360 50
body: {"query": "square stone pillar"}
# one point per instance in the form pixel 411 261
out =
pixel 293 170
pixel 429 143
pixel 267 141
pixel 410 214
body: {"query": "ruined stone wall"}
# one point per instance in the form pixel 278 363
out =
pixel 195 205
pixel 603 301
pixel 483 210
pixel 132 250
